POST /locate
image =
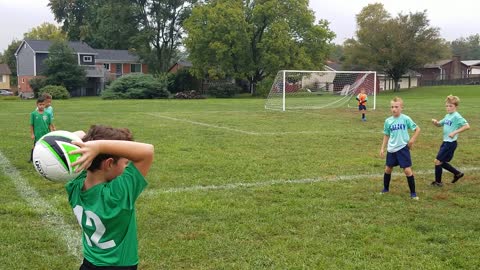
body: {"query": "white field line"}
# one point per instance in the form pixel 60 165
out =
pixel 152 193
pixel 239 130
pixel 49 215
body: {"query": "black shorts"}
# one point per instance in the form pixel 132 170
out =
pixel 400 158
pixel 362 107
pixel 447 149
pixel 86 265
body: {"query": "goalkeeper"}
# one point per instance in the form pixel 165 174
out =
pixel 362 99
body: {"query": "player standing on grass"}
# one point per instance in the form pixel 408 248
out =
pixel 453 123
pixel 103 197
pixel 395 132
pixel 362 103
pixel 41 123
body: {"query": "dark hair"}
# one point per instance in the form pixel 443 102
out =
pixel 100 132
pixel 40 99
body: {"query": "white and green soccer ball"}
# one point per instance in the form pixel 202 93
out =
pixel 51 156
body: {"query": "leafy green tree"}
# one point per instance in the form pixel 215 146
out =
pixel 46 31
pixel 62 67
pixel 254 39
pixel 393 45
pixel 467 48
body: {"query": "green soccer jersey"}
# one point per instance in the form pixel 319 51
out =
pixel 41 123
pixel 397 129
pixel 106 213
pixel 451 122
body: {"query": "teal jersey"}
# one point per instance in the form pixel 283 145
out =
pixel 49 110
pixel 41 123
pixel 106 213
pixel 397 129
pixel 450 123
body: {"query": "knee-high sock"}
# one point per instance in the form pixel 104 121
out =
pixel 450 168
pixel 411 183
pixel 438 173
pixel 31 155
pixel 386 181
pixel 363 116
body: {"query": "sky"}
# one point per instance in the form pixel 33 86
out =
pixel 20 16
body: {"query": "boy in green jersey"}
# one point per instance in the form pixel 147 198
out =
pixel 40 123
pixel 103 197
pixel 453 123
pixel 395 132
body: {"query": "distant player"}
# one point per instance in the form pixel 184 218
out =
pixel 41 123
pixel 453 123
pixel 362 99
pixel 395 132
pixel 49 108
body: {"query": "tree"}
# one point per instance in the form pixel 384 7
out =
pixel 393 45
pixel 62 67
pixel 254 39
pixel 46 31
pixel 467 48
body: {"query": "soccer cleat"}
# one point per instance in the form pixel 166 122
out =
pixel 414 196
pixel 457 177
pixel 384 191
pixel 437 184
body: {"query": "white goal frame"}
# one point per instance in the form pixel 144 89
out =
pixel 284 72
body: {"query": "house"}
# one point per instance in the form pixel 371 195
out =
pixel 408 80
pixel 473 67
pixel 5 77
pixel 98 65
pixel 448 69
pixel 180 64
pixel 119 62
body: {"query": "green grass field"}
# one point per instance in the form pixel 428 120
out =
pixel 236 187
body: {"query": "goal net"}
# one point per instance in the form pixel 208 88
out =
pixel 303 89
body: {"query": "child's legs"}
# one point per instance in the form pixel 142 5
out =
pixel 445 154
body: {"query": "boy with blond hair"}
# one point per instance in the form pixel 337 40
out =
pixel 395 130
pixel 453 124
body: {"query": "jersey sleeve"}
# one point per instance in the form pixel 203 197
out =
pixel 386 128
pixel 129 185
pixel 410 124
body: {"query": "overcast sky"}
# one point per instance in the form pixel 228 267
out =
pixel 455 20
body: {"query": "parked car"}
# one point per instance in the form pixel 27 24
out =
pixel 5 93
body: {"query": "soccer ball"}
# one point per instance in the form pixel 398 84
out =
pixel 51 156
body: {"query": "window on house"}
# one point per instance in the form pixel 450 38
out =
pixel 23 80
pixel 1 78
pixel 106 66
pixel 87 58
pixel 135 68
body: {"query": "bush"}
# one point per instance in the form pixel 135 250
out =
pixel 37 84
pixel 223 90
pixel 264 86
pixel 137 86
pixel 57 91
pixel 188 95
pixel 183 81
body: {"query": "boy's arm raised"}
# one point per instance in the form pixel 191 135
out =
pixel 141 154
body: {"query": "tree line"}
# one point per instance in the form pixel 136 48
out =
pixel 249 40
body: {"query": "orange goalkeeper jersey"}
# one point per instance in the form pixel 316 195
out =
pixel 362 99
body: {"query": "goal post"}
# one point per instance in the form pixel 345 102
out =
pixel 306 89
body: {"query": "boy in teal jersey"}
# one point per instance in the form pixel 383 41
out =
pixel 395 132
pixel 40 123
pixel 103 197
pixel 453 123
pixel 49 107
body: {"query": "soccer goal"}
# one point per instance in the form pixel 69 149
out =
pixel 304 89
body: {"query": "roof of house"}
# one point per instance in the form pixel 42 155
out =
pixel 44 45
pixel 334 65
pixel 437 64
pixel 116 56
pixel 4 69
pixel 471 62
